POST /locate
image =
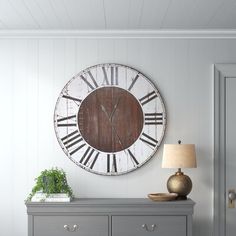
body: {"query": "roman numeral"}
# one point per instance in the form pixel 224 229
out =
pixel 94 160
pixel 113 75
pixel 60 121
pixel 133 82
pixel 72 98
pixel 116 75
pixel 147 98
pixel 87 156
pixel 111 163
pixel 105 75
pixel 134 160
pixel 153 118
pixel 148 139
pixel 114 163
pixel 71 142
pixel 108 163
pixel 92 85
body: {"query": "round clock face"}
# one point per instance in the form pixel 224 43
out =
pixel 109 119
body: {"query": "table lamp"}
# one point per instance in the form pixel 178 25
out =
pixel 179 156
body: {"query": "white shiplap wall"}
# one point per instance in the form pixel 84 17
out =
pixel 33 72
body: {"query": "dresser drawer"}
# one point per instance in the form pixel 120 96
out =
pixel 149 225
pixel 70 225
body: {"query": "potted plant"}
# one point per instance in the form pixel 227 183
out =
pixel 51 185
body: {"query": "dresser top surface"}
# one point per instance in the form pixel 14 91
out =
pixel 114 201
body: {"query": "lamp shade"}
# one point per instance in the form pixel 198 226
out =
pixel 179 156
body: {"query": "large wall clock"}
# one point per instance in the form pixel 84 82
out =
pixel 109 119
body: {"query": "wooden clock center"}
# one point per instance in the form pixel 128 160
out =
pixel 110 119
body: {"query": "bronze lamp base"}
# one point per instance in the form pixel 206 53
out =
pixel 180 184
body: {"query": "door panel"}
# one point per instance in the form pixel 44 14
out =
pixel 224 148
pixel 230 151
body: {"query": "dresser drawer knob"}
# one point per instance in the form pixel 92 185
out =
pixel 144 226
pixel 67 228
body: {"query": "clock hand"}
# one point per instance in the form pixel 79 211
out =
pixel 119 140
pixel 113 111
pixel 114 108
pixel 114 129
pixel 104 110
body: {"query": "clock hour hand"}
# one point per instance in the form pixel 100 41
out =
pixel 105 111
pixel 114 108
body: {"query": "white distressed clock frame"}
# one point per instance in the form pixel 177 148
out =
pixel 66 120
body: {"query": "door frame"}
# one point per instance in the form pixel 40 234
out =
pixel 221 73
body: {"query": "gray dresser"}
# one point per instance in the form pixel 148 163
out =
pixel 110 217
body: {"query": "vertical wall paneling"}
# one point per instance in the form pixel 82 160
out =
pixel 120 51
pixel 86 53
pixel 45 104
pixel 32 111
pixel 57 77
pixel 19 125
pixel 106 50
pixel 70 60
pixel 6 137
pixel 32 74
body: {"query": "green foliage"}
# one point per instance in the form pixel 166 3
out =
pixel 51 181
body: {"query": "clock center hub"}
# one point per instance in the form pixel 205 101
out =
pixel 110 119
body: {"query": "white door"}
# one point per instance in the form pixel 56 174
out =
pixel 230 156
pixel 225 150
